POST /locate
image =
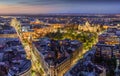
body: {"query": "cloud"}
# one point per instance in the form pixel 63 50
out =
pixel 13 9
pixel 59 6
pixel 50 2
pixel 53 2
pixel 40 2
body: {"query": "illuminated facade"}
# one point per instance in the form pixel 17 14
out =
pixel 88 27
pixel 56 69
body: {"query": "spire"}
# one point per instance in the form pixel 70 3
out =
pixel 30 38
pixel 117 71
pixel 87 23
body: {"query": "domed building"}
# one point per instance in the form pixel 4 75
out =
pixel 88 27
pixel 36 22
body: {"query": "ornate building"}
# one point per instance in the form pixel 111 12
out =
pixel 88 27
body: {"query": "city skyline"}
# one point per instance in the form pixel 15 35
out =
pixel 60 44
pixel 59 6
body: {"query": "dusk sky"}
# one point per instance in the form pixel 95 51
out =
pixel 58 6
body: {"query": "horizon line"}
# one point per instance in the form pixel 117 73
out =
pixel 60 13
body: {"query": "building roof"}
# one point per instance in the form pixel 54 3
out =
pixel 56 51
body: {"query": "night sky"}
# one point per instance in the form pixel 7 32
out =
pixel 59 6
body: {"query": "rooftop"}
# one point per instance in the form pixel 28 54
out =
pixel 56 51
pixel 85 66
pixel 13 56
